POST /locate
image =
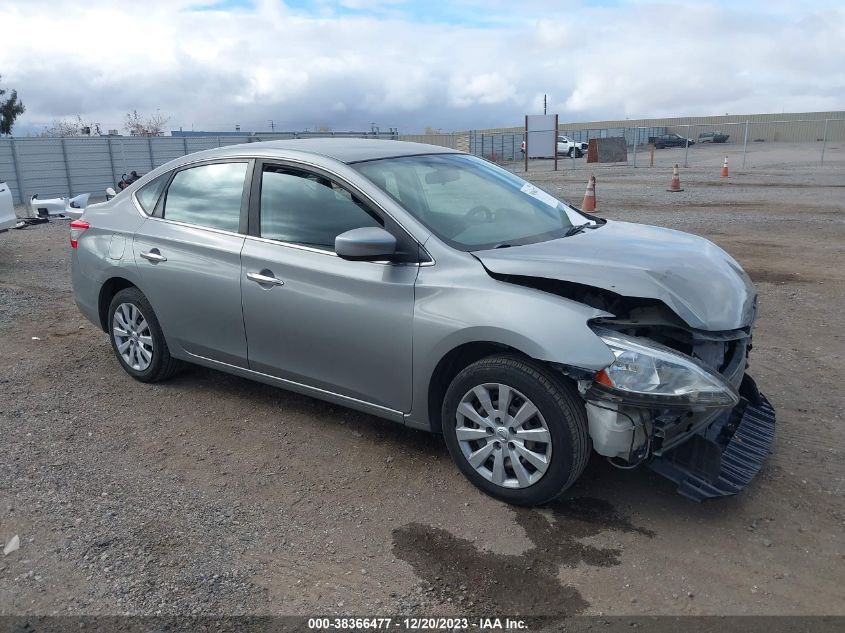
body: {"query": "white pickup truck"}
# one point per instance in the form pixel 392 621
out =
pixel 8 219
pixel 566 147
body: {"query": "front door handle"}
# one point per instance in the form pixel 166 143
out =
pixel 154 256
pixel 265 277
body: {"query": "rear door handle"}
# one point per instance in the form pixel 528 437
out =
pixel 265 277
pixel 154 256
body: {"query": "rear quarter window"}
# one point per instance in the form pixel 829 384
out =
pixel 149 194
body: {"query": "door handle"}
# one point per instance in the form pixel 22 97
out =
pixel 153 255
pixel 261 278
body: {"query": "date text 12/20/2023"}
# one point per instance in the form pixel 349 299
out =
pixel 417 624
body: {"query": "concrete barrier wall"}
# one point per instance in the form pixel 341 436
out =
pixel 54 167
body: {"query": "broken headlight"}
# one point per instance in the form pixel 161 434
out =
pixel 650 374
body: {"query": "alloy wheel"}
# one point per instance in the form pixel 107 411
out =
pixel 503 435
pixel 132 336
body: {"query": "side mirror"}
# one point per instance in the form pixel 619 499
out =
pixel 110 193
pixel 364 244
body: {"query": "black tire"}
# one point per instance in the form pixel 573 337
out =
pixel 558 402
pixel 162 365
pixel 660 146
pixel 571 152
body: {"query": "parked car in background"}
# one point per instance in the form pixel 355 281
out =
pixel 8 219
pixel 438 290
pixel 670 140
pixel 713 137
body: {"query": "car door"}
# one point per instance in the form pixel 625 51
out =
pixel 311 317
pixel 188 254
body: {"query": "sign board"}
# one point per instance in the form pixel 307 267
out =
pixel 540 137
pixel 608 150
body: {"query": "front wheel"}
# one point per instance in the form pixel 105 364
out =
pixel 516 430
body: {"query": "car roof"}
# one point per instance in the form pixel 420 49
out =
pixel 345 150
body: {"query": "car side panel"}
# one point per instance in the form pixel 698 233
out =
pixel 104 252
pixel 458 302
pixel 336 325
pixel 196 292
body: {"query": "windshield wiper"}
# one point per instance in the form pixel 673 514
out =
pixel 577 228
pixel 503 245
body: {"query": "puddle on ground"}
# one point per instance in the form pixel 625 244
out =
pixel 482 582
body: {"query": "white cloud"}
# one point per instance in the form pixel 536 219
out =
pixel 449 65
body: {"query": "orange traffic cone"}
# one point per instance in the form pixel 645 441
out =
pixel 725 168
pixel 589 204
pixel 676 181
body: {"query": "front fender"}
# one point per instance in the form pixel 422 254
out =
pixel 478 308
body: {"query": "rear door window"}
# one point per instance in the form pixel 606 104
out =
pixel 207 195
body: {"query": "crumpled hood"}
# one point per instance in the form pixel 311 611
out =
pixel 699 281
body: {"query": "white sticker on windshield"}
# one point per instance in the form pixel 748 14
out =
pixel 539 194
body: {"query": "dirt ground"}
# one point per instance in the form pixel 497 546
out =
pixel 210 494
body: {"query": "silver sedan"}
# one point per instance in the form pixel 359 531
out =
pixel 435 289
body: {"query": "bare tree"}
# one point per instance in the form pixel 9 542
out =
pixel 10 109
pixel 73 127
pixel 138 125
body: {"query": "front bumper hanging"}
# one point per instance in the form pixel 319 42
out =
pixel 724 457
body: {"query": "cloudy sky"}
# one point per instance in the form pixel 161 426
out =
pixel 459 64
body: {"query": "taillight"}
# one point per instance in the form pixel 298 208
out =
pixel 77 227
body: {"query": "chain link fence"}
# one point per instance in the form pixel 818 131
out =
pixel 746 144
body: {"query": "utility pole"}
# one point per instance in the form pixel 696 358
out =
pixel 544 104
pixel 272 126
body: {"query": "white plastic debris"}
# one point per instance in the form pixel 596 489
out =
pixel 13 545
pixel 36 338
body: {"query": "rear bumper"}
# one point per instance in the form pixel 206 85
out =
pixel 722 458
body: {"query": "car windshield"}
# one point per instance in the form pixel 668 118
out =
pixel 470 203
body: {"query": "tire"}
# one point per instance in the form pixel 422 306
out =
pixel 571 152
pixel 152 362
pixel 560 412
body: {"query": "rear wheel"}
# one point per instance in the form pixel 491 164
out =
pixel 515 429
pixel 137 339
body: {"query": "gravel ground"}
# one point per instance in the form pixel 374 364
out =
pixel 210 494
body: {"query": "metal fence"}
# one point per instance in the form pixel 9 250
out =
pixel 53 167
pixel 808 139
pixel 495 147
pixel 746 134
pixel 505 146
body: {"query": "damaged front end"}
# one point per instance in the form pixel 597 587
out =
pixel 678 317
pixel 678 400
